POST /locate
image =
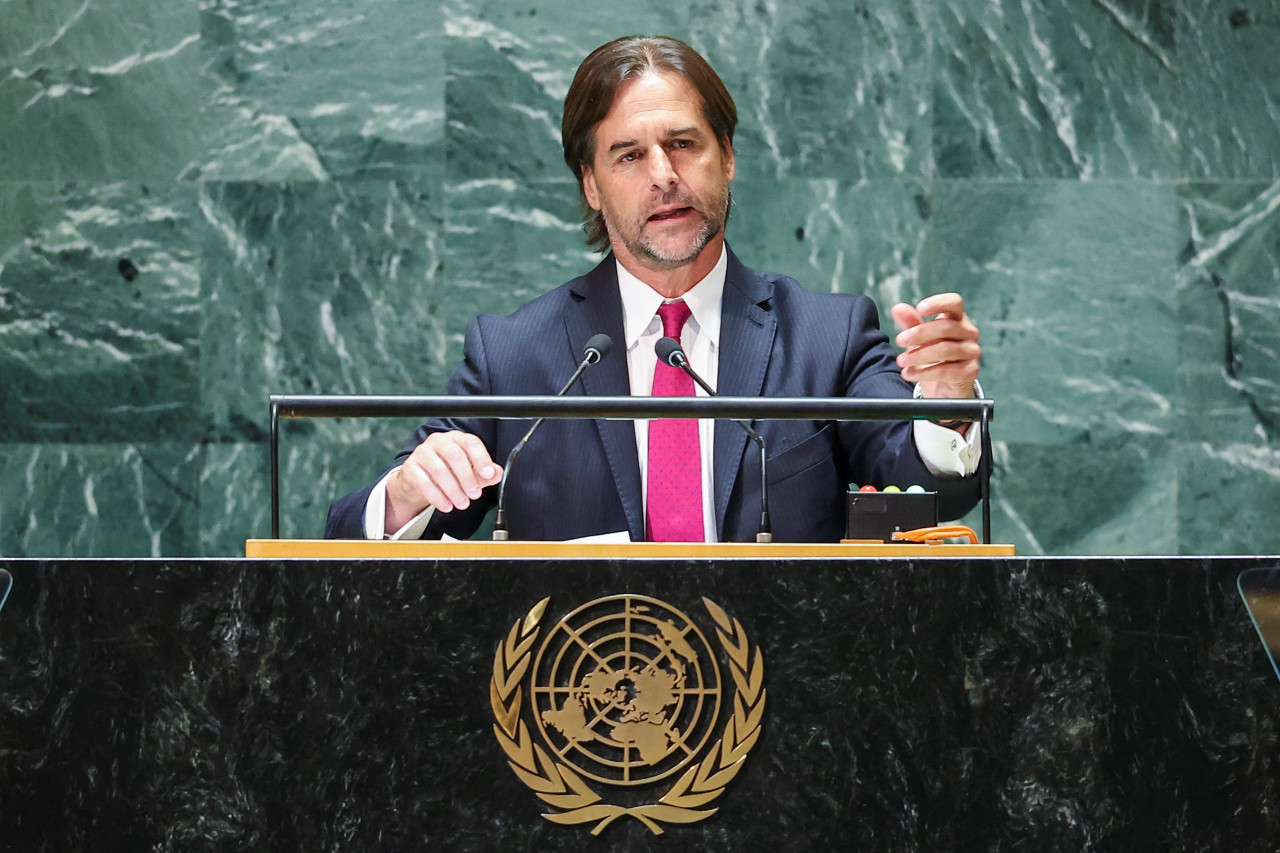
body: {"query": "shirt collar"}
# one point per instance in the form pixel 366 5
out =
pixel 640 302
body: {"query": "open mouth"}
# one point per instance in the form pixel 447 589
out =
pixel 666 215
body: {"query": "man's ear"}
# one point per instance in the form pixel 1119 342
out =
pixel 729 167
pixel 589 191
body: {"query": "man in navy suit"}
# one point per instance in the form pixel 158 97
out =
pixel 648 131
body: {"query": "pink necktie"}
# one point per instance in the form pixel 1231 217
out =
pixel 675 459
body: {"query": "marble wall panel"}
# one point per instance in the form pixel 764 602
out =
pixel 1071 283
pixel 68 33
pixel 1056 89
pixel 99 329
pixel 323 90
pixel 99 499
pixel 318 288
pixel 508 241
pixel 99 91
pixel 1228 288
pixel 1229 89
pixel 1227 498
pixel 318 197
pixel 824 90
pixel 1118 495
pixel 235 484
pixel 1229 310
pixel 867 237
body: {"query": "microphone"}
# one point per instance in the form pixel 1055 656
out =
pixel 597 347
pixel 670 353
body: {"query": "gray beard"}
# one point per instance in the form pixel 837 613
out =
pixel 644 251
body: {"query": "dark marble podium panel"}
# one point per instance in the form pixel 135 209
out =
pixel 983 704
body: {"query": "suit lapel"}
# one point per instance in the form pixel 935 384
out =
pixel 747 329
pixel 596 308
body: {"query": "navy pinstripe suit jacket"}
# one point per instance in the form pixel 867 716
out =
pixel 581 477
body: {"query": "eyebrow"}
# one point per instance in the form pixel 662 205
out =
pixel 670 134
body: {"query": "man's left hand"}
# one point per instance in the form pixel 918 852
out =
pixel 940 353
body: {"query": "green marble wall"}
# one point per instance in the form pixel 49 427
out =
pixel 202 203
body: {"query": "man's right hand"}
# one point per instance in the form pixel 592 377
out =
pixel 449 469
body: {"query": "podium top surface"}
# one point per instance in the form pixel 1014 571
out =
pixel 345 549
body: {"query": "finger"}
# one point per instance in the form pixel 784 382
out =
pixel 483 468
pixel 939 330
pixel 951 304
pixel 467 466
pixel 958 373
pixel 418 487
pixel 941 304
pixel 941 307
pixel 951 345
pixel 905 316
pixel 943 352
pixel 426 478
pixel 453 470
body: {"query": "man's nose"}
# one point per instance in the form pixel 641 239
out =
pixel 661 172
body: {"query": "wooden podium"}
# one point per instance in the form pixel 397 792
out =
pixel 353 549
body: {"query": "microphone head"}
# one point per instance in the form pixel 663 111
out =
pixel 669 352
pixel 597 347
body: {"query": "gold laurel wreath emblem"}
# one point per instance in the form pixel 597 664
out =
pixel 560 787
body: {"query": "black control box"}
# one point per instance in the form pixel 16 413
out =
pixel 876 515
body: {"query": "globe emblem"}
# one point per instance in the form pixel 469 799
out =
pixel 626 690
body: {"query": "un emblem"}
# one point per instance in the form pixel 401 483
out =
pixel 625 694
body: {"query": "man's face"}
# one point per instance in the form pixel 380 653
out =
pixel 659 176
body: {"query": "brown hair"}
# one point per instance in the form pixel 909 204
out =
pixel 596 84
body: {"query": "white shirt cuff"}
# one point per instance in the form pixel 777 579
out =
pixel 945 452
pixel 375 516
